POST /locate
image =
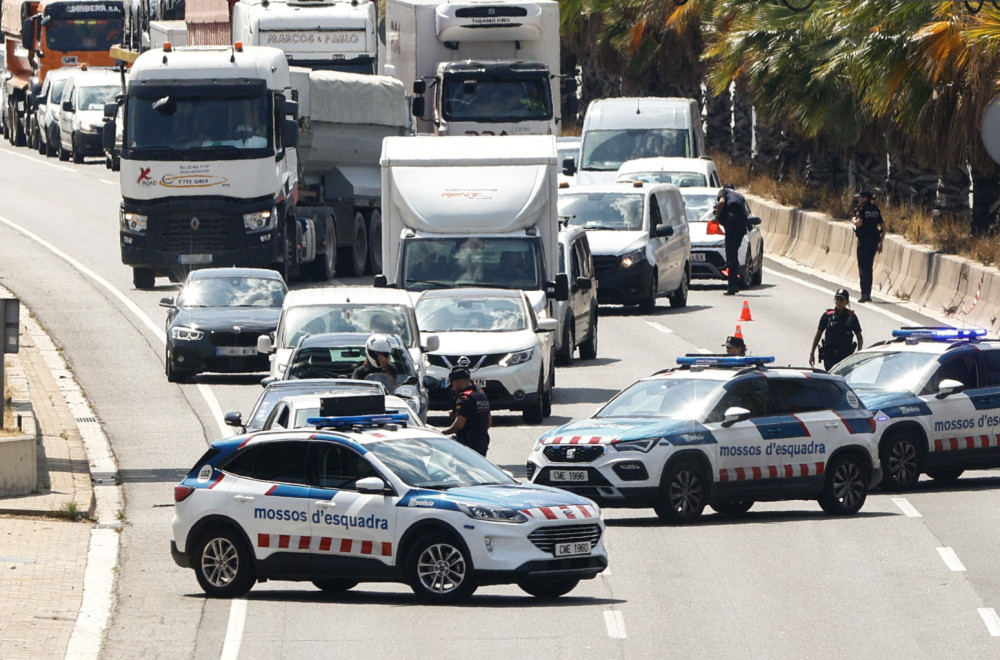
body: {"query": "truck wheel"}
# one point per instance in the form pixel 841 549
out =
pixel 143 278
pixel 588 349
pixel 74 150
pixel 375 242
pixel 355 257
pixel 679 298
pixel 322 269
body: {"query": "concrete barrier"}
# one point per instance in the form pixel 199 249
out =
pixel 19 461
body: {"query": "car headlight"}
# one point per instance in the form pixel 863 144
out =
pixel 519 357
pixel 492 513
pixel 643 444
pixel 183 333
pixel 133 222
pixel 633 258
pixel 259 220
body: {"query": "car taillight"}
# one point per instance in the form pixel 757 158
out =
pixel 871 423
pixel 181 492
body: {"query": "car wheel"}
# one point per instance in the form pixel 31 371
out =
pixel 648 304
pixel 900 462
pixel 732 507
pixel 355 257
pixel 223 564
pixel 535 413
pixel 746 270
pixel 588 349
pixel 758 272
pixel 683 491
pixel 679 298
pixel 375 242
pixel 549 589
pixel 335 586
pixel 143 278
pixel 547 399
pixel 63 154
pixel 74 150
pixel 439 570
pixel 846 486
pixel 564 356
pixel 50 146
pixel 945 475
pixel 39 145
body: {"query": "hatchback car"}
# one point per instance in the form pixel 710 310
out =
pixel 215 322
pixel 368 499
pixel 708 241
pixel 718 431
pixel 936 397
pixel 495 333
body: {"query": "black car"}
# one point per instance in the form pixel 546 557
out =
pixel 215 321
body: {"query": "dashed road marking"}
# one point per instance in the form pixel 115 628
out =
pixel 65 168
pixel 615 622
pixel 662 328
pixel 907 508
pixel 951 559
pixel 992 621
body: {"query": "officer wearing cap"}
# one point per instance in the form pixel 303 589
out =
pixel 730 212
pixel 836 327
pixel 735 346
pixel 870 230
pixel 471 418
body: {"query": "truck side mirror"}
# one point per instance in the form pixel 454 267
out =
pixel 571 106
pixel 558 289
pixel 110 110
pixel 289 133
pixel 419 87
pixel 108 136
pixel 28 34
pixel 569 166
pixel 290 109
pixel 418 106
pixel 568 85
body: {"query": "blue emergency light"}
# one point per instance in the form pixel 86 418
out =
pixel 357 420
pixel 938 334
pixel 724 361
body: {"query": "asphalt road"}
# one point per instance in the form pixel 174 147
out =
pixel 783 581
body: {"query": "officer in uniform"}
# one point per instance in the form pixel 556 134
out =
pixel 870 230
pixel 735 346
pixel 730 212
pixel 836 327
pixel 471 418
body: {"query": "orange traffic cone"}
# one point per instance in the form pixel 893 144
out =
pixel 745 314
pixel 739 332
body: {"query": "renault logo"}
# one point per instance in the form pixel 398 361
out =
pixel 195 223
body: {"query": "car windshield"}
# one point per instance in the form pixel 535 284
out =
pixel 95 97
pixel 888 371
pixel 681 179
pixel 480 314
pixel 339 362
pixel 495 100
pixel 272 395
pixel 232 292
pixel 606 150
pixel 602 210
pixel 344 317
pixel 444 263
pixel 700 207
pixel 671 398
pixel 437 462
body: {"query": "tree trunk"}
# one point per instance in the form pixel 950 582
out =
pixel 953 193
pixel 741 148
pixel 718 121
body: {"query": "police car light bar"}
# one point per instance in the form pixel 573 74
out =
pixel 724 361
pixel 942 333
pixel 357 420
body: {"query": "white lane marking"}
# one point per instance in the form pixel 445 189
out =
pixel 95 608
pixel 992 621
pixel 615 623
pixel 907 508
pixel 662 328
pixel 234 631
pixel 109 182
pixel 875 308
pixel 951 559
pixel 64 168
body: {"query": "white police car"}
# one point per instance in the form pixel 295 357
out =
pixel 722 431
pixel 936 397
pixel 369 500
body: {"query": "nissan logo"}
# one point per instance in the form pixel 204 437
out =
pixel 463 361
pixel 195 223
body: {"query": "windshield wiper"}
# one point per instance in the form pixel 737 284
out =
pixel 443 285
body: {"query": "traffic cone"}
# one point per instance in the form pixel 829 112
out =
pixel 739 332
pixel 745 314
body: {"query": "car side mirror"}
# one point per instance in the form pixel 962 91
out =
pixel 569 166
pixel 67 106
pixel 584 283
pixel 381 282
pixel 547 325
pixel 735 414
pixel 753 220
pixel 430 344
pixel 233 419
pixel 264 344
pixel 947 387
pixel 372 486
pixel 264 382
pixel 432 383
pixel 167 302
pixel 663 231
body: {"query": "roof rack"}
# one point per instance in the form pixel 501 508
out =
pixel 913 334
pixel 361 421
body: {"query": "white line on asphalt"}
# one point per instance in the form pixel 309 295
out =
pixel 951 559
pixel 662 328
pixel 234 631
pixel 65 168
pixel 95 608
pixel 875 308
pixel 615 623
pixel 109 182
pixel 907 508
pixel 992 621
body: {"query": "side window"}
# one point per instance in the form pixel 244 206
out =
pixel 655 217
pixel 831 394
pixel 340 467
pixel 585 258
pixel 278 419
pixel 790 396
pixel 577 266
pixel 991 360
pixel 750 394
pixel 954 367
pixel 283 462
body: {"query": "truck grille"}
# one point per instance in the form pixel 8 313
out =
pixel 604 265
pixel 546 538
pixel 211 235
pixel 580 453
pixel 490 11
pixel 224 338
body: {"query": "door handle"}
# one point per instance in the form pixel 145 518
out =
pixel 831 425
pixel 326 504
pixel 243 498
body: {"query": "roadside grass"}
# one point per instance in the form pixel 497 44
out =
pixel 950 235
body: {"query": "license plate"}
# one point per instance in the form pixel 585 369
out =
pixel 568 475
pixel 571 549
pixel 479 382
pixel 195 258
pixel 237 351
pixel 697 256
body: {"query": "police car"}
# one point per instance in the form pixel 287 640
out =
pixel 718 431
pixel 936 397
pixel 367 499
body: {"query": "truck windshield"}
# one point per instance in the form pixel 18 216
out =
pixel 442 263
pixel 189 127
pixel 82 34
pixel 606 150
pixel 361 65
pixel 496 100
pixel 602 210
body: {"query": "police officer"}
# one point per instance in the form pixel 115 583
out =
pixel 870 230
pixel 836 327
pixel 735 346
pixel 730 212
pixel 471 418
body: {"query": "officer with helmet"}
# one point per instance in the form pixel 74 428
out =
pixel 836 327
pixel 378 362
pixel 471 417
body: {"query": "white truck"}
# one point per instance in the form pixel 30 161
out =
pixel 489 65
pixel 465 211
pixel 336 35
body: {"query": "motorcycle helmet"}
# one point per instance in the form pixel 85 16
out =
pixel 377 344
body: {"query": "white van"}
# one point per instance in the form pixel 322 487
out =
pixel 617 130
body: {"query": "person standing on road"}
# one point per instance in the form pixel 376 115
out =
pixel 730 212
pixel 470 415
pixel 735 346
pixel 836 327
pixel 870 230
